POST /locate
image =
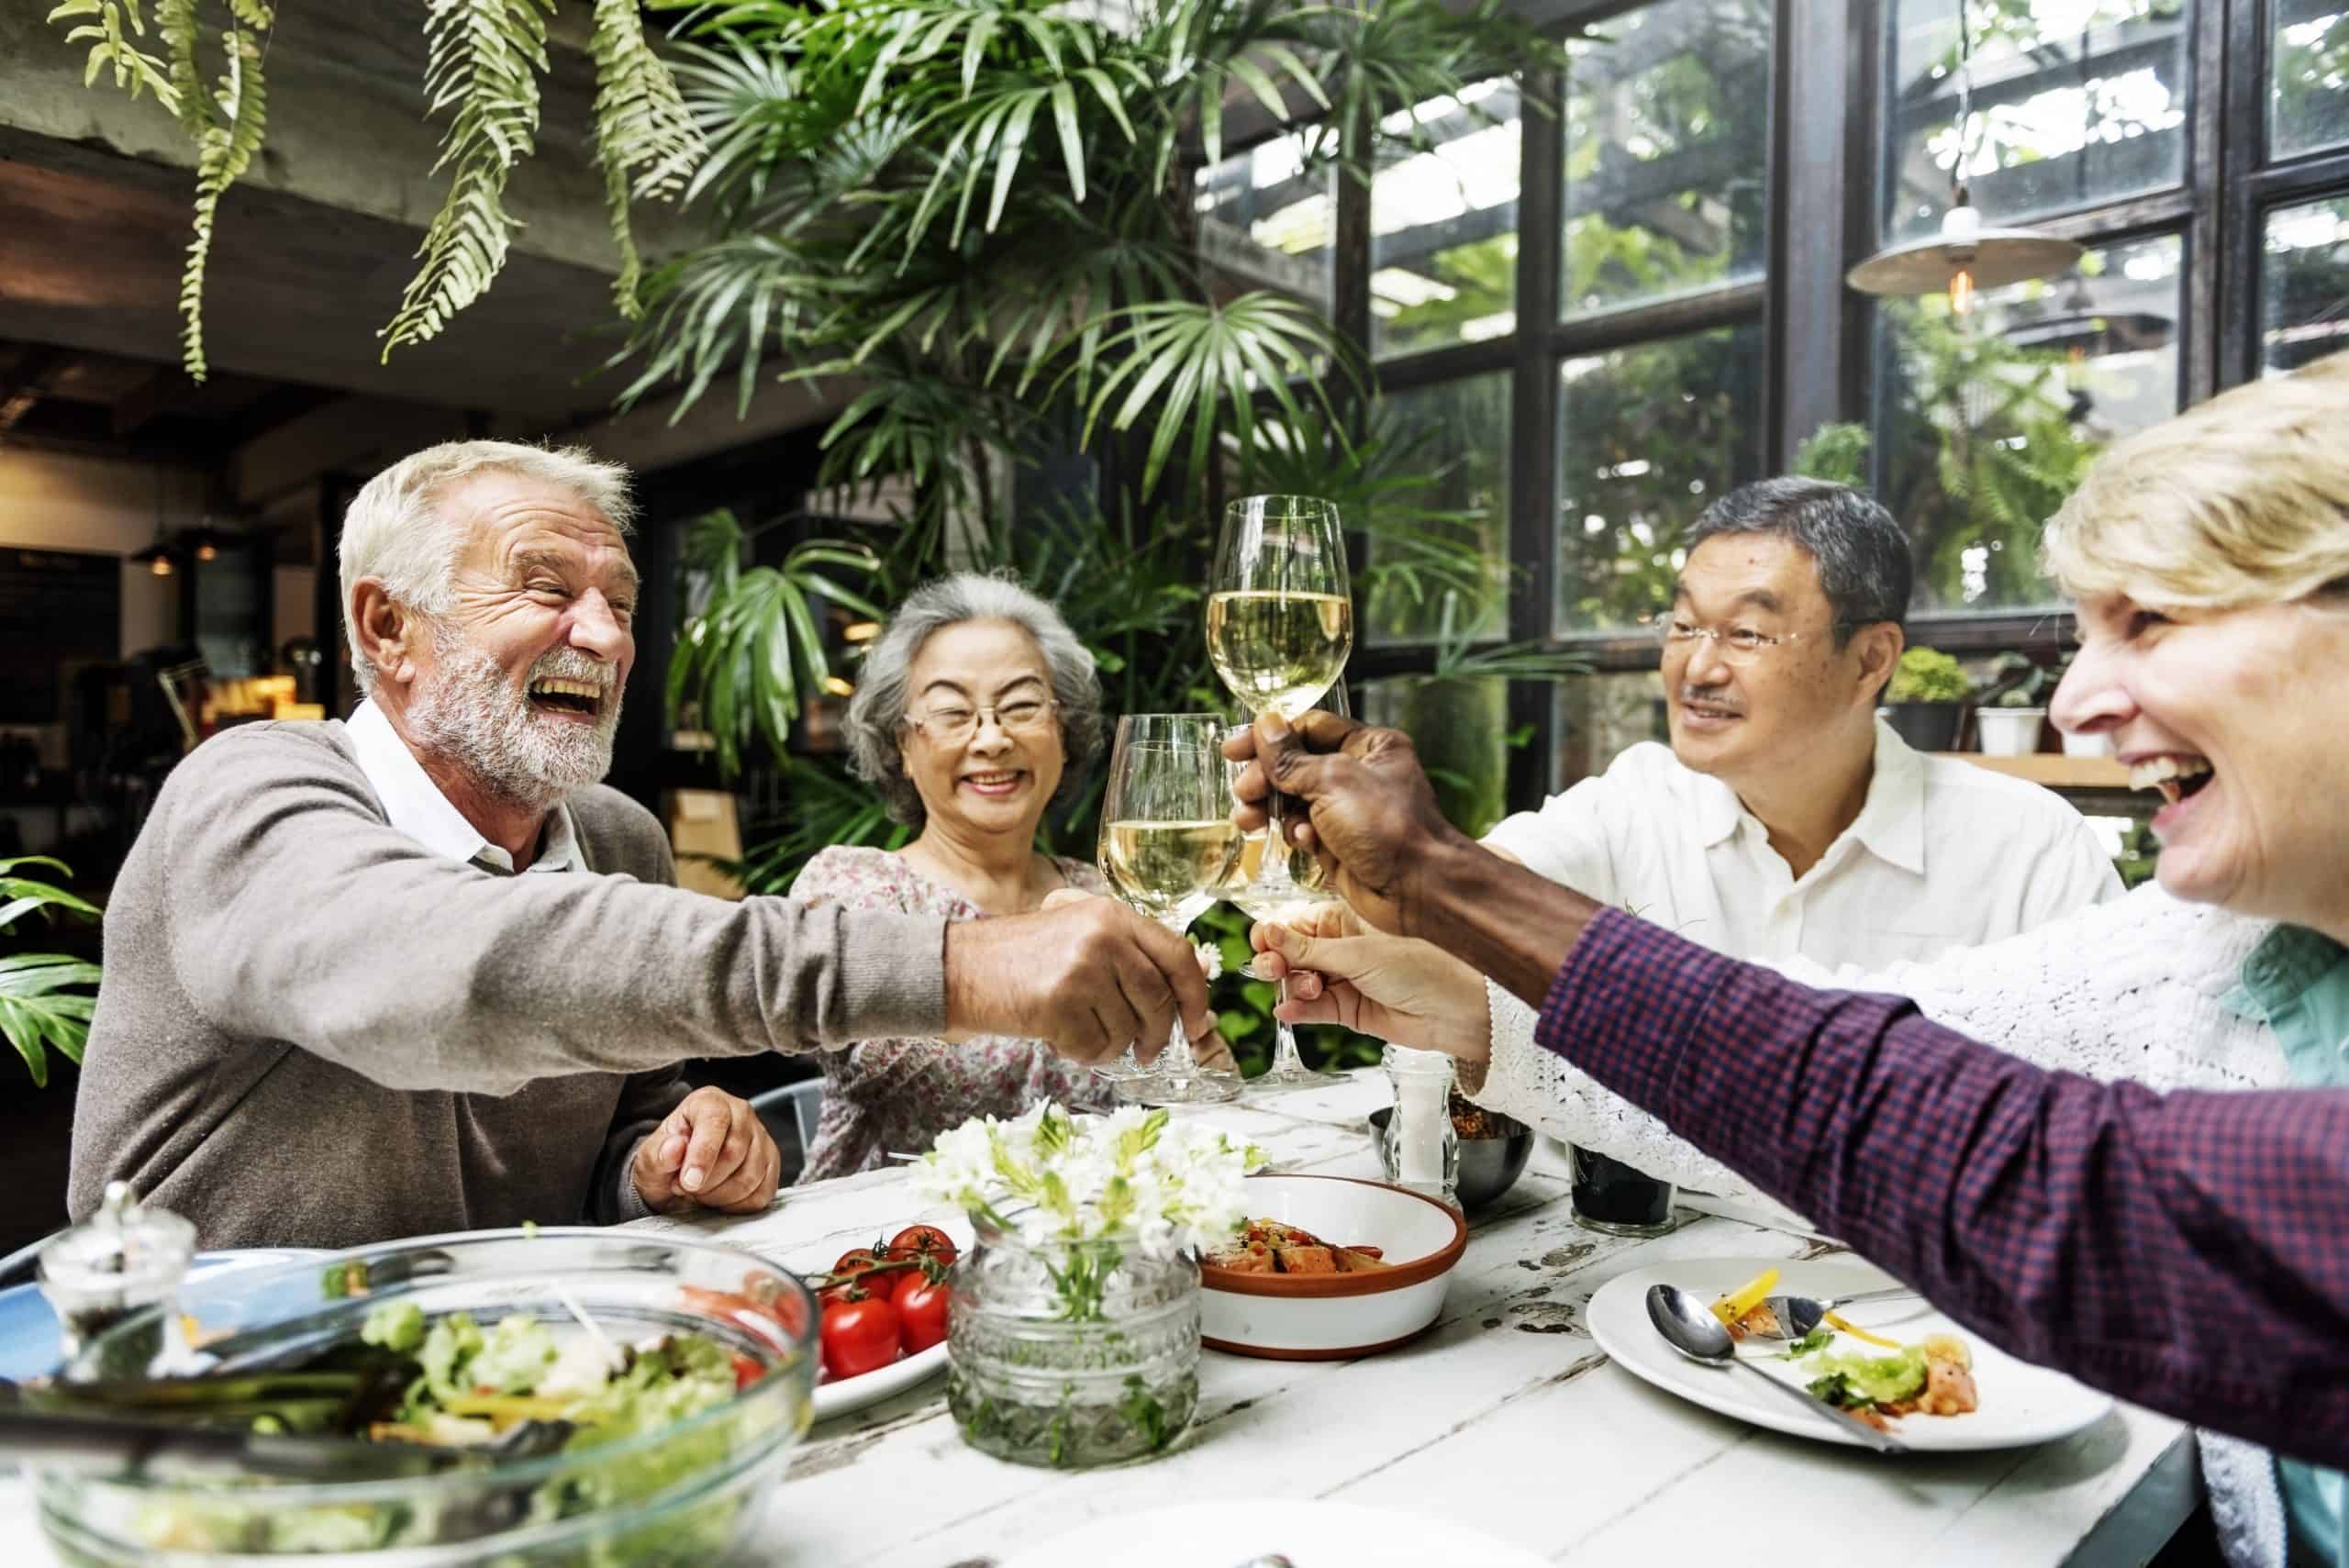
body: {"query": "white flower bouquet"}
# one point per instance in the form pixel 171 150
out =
pixel 1135 1177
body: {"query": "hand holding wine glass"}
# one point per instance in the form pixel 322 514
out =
pixel 1167 844
pixel 1279 626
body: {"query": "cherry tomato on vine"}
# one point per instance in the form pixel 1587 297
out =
pixel 921 1314
pixel 860 1333
pixel 923 1241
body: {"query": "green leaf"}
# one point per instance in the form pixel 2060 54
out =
pixel 1072 139
pixel 484 59
pixel 37 1012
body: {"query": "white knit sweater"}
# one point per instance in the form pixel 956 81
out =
pixel 2129 989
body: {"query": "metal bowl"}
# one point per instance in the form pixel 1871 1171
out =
pixel 1488 1166
pixel 685 1493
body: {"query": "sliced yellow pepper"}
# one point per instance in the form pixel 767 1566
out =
pixel 1837 1320
pixel 1734 1305
pixel 505 1410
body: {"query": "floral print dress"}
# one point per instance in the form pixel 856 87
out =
pixel 884 1095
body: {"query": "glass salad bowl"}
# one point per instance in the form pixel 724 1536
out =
pixel 670 1379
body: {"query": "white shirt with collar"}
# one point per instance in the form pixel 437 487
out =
pixel 1944 855
pixel 418 808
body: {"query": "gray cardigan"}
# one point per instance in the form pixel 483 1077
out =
pixel 314 1031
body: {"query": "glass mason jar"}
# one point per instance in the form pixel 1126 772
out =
pixel 1072 1355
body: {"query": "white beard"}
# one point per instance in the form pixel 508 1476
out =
pixel 472 715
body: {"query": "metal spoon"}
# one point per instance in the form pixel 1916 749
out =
pixel 1689 1327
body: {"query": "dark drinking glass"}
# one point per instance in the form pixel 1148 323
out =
pixel 1614 1198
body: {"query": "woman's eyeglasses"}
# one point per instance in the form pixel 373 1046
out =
pixel 953 724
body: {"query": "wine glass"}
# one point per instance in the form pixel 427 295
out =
pixel 1283 907
pixel 1167 844
pixel 1280 624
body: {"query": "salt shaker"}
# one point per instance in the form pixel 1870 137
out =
pixel 1422 1146
pixel 124 1258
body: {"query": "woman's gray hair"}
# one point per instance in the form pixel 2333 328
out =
pixel 885 685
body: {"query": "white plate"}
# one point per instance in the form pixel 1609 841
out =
pixel 2022 1403
pixel 1310 1534
pixel 855 1393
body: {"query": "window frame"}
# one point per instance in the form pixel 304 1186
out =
pixel 1827 181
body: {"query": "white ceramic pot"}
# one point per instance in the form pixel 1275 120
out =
pixel 1336 1317
pixel 2009 731
pixel 2098 744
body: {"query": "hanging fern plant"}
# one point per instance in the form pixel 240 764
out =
pixel 484 59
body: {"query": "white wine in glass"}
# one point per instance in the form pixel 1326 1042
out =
pixel 1158 867
pixel 1279 625
pixel 1279 651
pixel 1167 845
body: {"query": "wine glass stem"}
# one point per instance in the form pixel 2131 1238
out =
pixel 1285 1058
pixel 1275 867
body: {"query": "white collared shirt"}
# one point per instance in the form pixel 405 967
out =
pixel 1942 855
pixel 418 808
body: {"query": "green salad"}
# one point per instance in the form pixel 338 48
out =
pixel 453 1383
pixel 472 1385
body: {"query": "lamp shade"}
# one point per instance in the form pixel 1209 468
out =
pixel 1996 257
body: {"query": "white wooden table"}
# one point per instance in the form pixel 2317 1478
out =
pixel 1505 1416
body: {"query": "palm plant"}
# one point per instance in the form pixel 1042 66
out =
pixel 984 208
pixel 984 213
pixel 42 1003
pixel 754 644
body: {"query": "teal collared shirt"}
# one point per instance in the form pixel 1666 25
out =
pixel 2299 981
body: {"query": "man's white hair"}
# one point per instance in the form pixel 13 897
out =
pixel 396 531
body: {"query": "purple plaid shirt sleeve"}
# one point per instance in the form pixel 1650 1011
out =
pixel 2187 1252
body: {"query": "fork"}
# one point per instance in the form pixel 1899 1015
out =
pixel 1799 1315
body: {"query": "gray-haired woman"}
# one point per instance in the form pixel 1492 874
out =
pixel 975 710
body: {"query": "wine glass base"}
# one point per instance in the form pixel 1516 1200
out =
pixel 1275 1079
pixel 1197 1089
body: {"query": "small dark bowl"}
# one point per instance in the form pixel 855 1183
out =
pixel 1488 1166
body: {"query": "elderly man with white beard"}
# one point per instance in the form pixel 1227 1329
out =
pixel 421 972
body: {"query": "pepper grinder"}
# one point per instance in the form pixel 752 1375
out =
pixel 1422 1146
pixel 122 1259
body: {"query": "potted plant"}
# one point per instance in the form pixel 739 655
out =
pixel 2008 725
pixel 1927 698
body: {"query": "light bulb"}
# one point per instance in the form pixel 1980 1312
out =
pixel 207 553
pixel 160 566
pixel 1961 292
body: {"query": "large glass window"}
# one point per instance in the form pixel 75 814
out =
pixel 1983 423
pixel 1667 153
pixel 2076 103
pixel 2308 103
pixel 1438 562
pixel 2304 283
pixel 1444 224
pixel 1268 219
pixel 1650 435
